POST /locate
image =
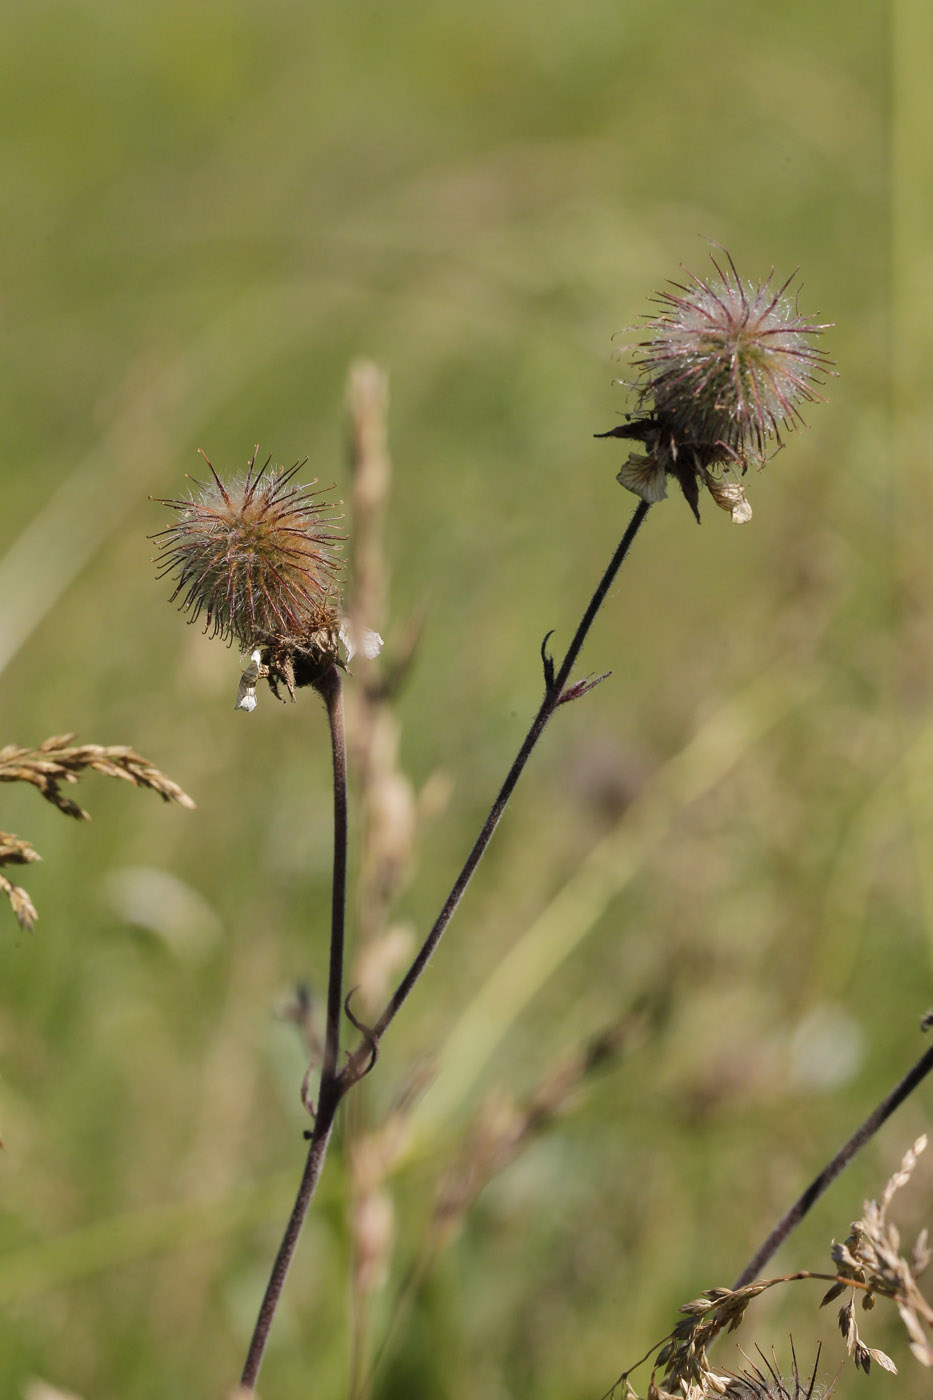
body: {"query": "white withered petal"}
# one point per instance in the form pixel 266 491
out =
pixel 246 690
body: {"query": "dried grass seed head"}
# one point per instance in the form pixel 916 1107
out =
pixel 256 556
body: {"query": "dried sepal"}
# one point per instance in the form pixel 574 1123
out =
pixel 296 662
pixel 644 476
pixel 729 496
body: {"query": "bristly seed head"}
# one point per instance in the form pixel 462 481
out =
pixel 766 1382
pixel 724 371
pixel 256 557
pixel 729 361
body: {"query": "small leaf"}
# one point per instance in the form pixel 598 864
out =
pixel 581 688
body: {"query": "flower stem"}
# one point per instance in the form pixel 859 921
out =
pixel 317 1151
pixel 553 694
pixel 330 687
pixel 828 1175
pixel 333 1084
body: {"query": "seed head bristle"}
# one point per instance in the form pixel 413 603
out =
pixel 769 1382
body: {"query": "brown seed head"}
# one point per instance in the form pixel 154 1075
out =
pixel 255 556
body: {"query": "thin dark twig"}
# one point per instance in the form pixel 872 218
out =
pixel 331 688
pixel 829 1173
pixel 317 1151
pixel 554 687
pixel 333 1084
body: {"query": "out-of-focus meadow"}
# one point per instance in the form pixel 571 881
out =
pixel 211 211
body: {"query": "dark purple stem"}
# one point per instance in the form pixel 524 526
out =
pixel 554 690
pixel 829 1173
pixel 330 687
pixel 333 1084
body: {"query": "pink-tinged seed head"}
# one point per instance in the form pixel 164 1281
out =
pixel 730 362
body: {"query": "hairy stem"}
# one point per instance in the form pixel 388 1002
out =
pixel 843 1157
pixel 330 687
pixel 317 1151
pixel 554 691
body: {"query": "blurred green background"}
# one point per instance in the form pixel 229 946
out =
pixel 210 211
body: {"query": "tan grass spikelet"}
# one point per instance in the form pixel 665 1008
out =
pixel 57 761
pixel 871 1258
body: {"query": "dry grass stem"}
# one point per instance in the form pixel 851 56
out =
pixel 387 805
pixel 371 481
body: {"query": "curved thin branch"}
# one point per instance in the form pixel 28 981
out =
pixel 334 1084
pixel 828 1175
pixel 554 690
